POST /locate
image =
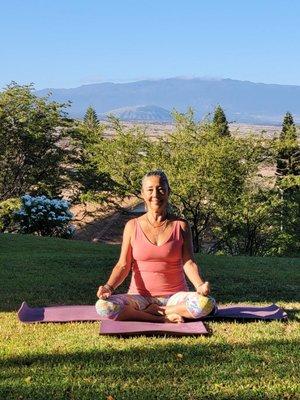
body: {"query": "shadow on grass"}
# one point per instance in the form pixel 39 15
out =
pixel 159 371
pixel 293 314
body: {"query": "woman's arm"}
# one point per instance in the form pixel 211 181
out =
pixel 123 266
pixel 190 267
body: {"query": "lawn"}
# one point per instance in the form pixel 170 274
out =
pixel 256 360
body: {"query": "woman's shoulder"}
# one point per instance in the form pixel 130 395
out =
pixel 129 229
pixel 182 221
pixel 130 224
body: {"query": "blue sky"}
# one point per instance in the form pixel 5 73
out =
pixel 68 43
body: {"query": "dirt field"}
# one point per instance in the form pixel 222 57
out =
pixel 157 130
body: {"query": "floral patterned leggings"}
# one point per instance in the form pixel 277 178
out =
pixel 197 305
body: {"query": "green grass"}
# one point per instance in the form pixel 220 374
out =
pixel 257 360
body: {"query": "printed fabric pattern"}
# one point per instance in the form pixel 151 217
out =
pixel 197 305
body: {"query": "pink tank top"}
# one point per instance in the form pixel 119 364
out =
pixel 157 270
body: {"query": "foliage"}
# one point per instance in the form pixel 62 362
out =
pixel 220 122
pixel 288 173
pixel 212 180
pixel 211 173
pixel 7 209
pixel 288 152
pixel 93 184
pixel 45 217
pixel 90 118
pixel 31 133
pixel 253 225
pixel 206 172
pixel 288 127
pixel 115 165
pixel 125 157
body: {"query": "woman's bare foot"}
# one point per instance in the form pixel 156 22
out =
pixel 175 318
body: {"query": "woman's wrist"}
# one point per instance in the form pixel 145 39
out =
pixel 109 287
pixel 199 284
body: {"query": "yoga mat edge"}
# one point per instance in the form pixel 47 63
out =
pixel 77 313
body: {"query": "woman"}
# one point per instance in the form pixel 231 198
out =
pixel 158 249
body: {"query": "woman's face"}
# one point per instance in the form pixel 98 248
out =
pixel 155 193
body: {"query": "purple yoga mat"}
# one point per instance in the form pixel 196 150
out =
pixel 88 313
pixel 128 328
pixel 57 313
pixel 236 311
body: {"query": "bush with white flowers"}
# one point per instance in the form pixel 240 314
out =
pixel 45 217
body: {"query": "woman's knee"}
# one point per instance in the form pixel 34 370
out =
pixel 200 306
pixel 108 309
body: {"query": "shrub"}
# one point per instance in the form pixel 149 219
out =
pixel 7 209
pixel 259 223
pixel 45 217
pixel 32 131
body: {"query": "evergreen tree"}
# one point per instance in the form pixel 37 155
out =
pixel 288 172
pixel 90 117
pixel 220 122
pixel 288 162
pixel 288 127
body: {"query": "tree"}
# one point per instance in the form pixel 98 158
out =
pixel 288 172
pixel 288 127
pixel 220 122
pixel 109 169
pixel 92 182
pixel 252 225
pixel 124 157
pixel 32 131
pixel 211 179
pixel 90 118
pixel 288 158
pixel 205 173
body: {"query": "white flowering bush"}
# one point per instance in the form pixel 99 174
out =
pixel 45 217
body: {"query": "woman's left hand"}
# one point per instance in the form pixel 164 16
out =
pixel 204 289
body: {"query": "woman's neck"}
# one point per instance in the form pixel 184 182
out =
pixel 156 216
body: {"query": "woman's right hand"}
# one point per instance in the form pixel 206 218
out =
pixel 103 292
pixel 204 289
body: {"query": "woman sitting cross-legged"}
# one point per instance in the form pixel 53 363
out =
pixel 158 248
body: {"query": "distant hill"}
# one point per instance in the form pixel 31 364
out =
pixel 243 101
pixel 141 113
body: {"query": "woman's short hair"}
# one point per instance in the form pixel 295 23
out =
pixel 159 173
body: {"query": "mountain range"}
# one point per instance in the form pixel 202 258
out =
pixel 153 100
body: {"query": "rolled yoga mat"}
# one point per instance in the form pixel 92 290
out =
pixel 88 313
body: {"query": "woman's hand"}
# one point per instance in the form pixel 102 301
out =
pixel 103 292
pixel 204 289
